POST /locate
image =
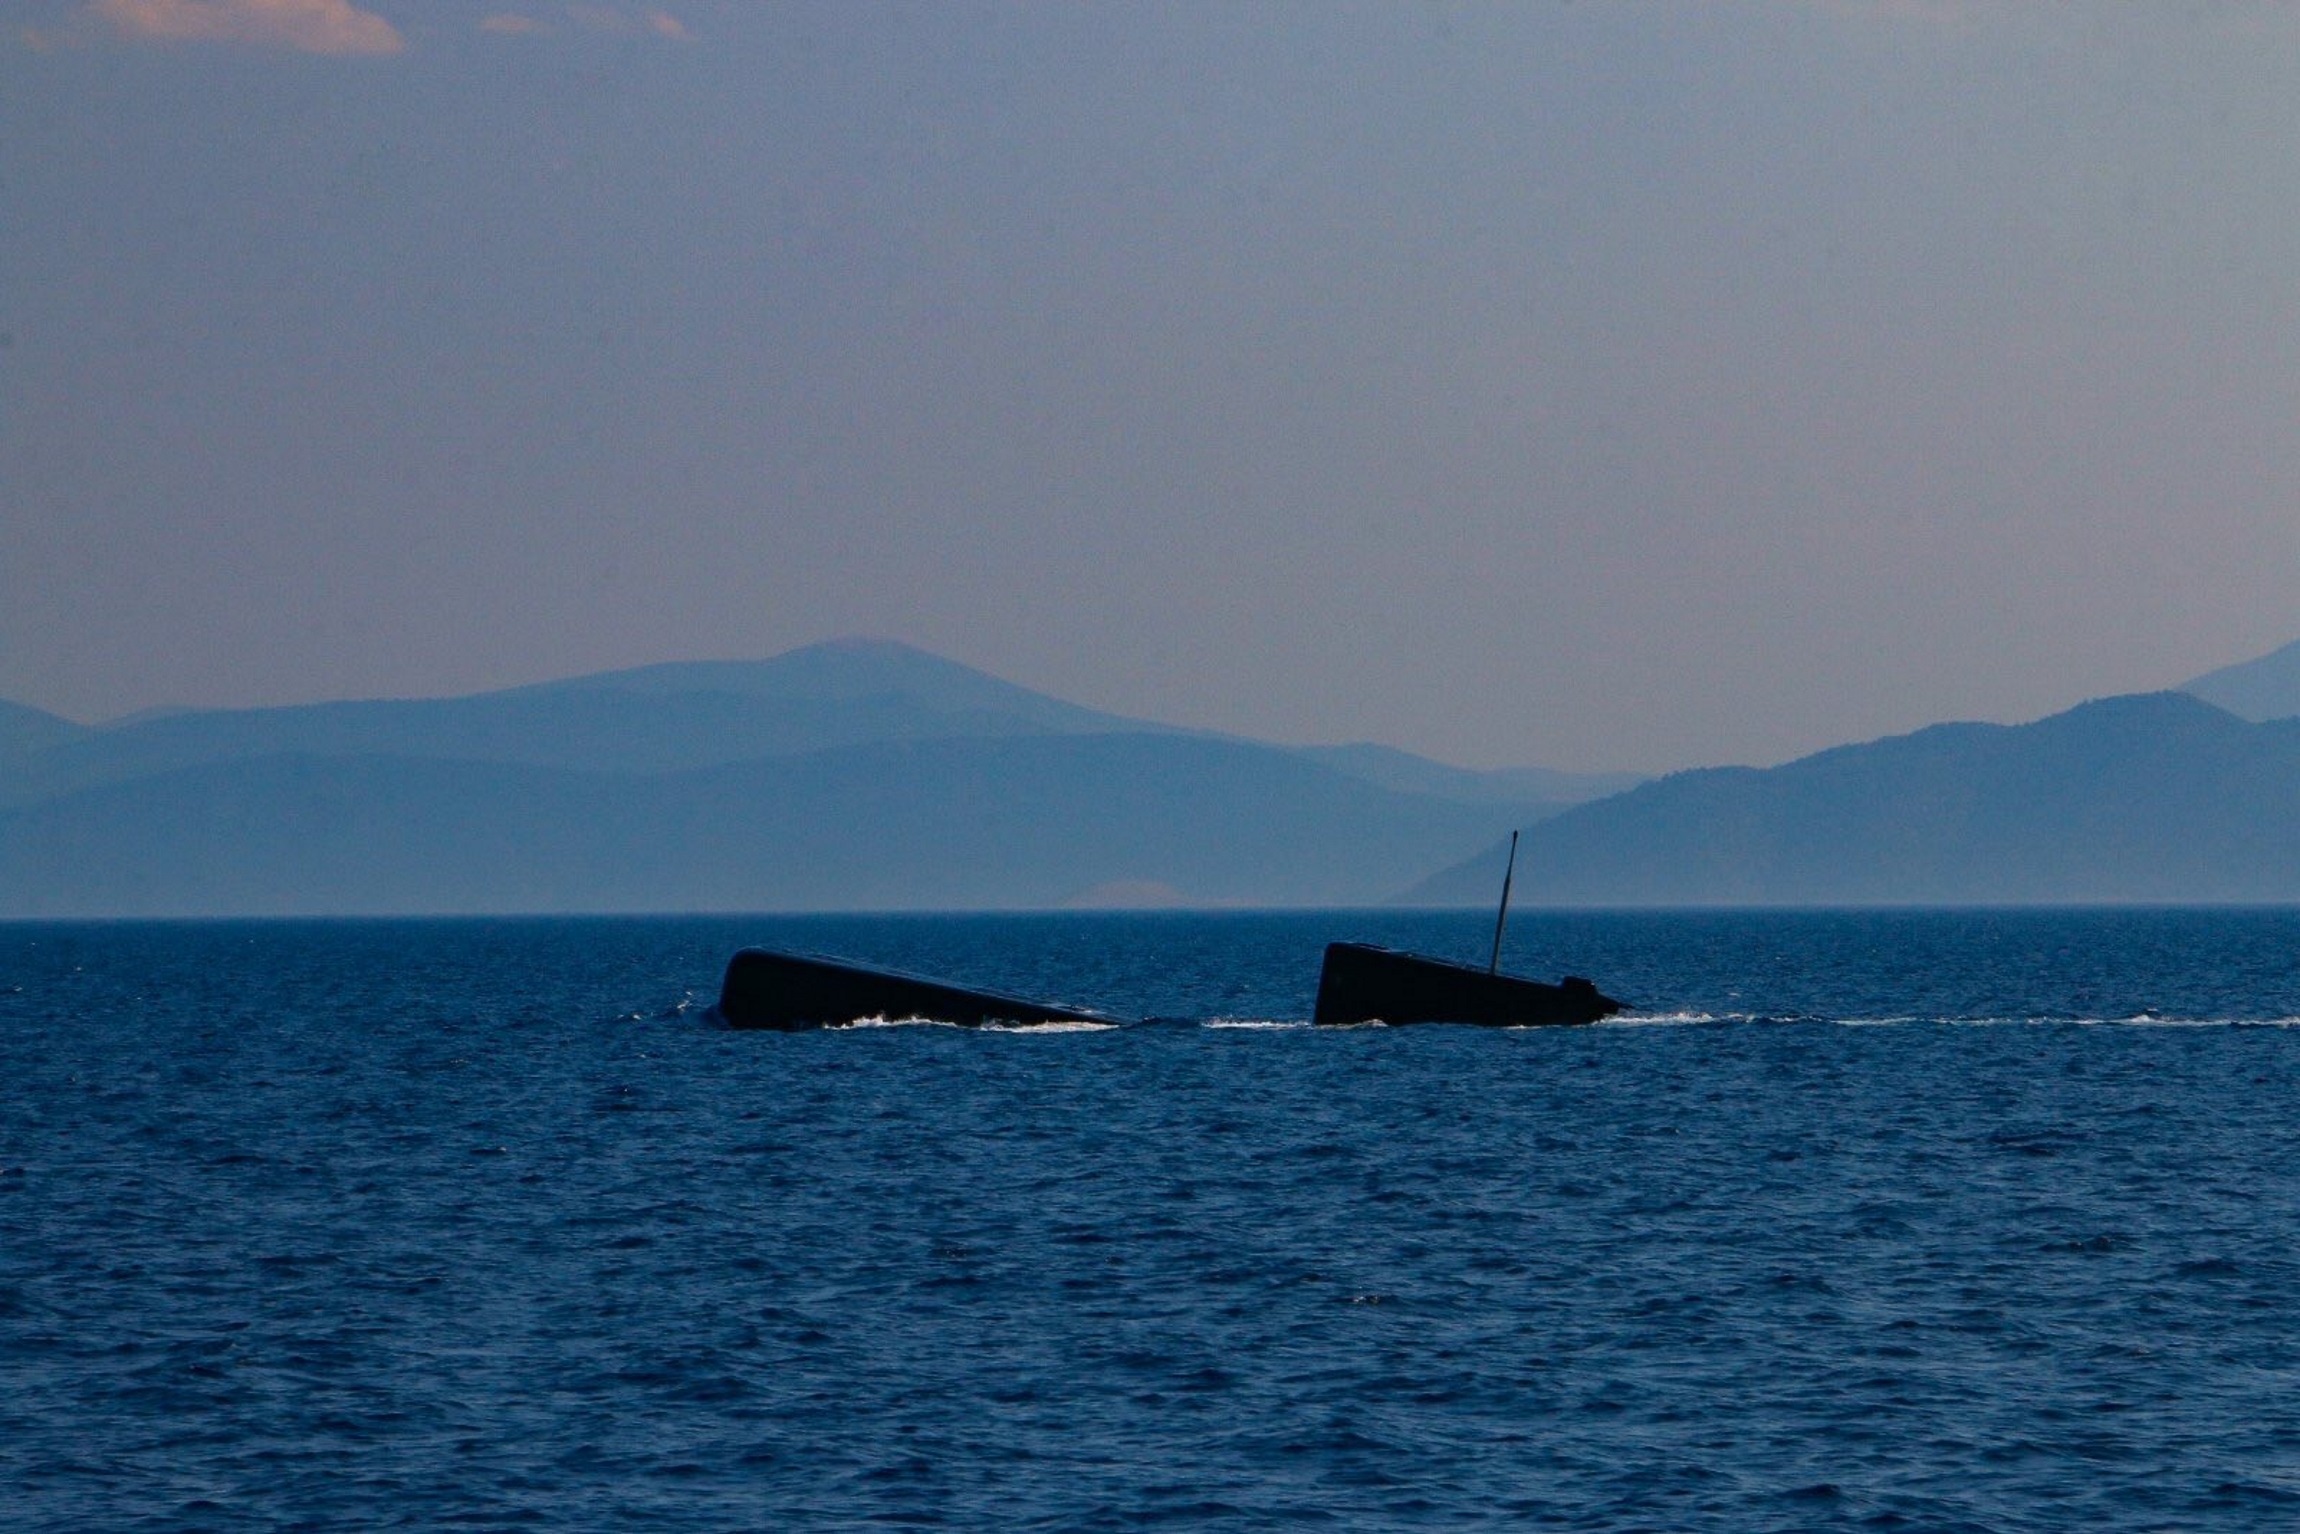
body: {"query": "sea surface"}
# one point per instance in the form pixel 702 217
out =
pixel 1948 1220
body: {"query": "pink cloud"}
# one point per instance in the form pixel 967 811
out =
pixel 668 25
pixel 308 26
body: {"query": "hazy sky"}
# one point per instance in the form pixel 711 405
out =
pixel 1594 384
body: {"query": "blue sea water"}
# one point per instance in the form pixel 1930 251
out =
pixel 1923 1220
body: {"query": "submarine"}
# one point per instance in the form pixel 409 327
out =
pixel 792 992
pixel 1363 983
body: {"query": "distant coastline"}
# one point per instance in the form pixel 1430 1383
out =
pixel 867 775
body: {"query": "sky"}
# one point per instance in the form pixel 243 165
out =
pixel 1587 385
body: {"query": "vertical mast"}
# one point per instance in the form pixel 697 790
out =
pixel 1502 920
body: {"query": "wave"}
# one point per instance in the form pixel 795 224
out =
pixel 1080 1026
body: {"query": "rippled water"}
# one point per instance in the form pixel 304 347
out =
pixel 408 1225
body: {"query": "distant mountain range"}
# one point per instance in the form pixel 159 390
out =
pixel 851 775
pixel 2155 797
pixel 655 719
pixel 863 775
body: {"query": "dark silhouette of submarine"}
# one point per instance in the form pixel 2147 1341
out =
pixel 792 991
pixel 1361 983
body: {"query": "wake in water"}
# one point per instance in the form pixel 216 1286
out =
pixel 1078 1026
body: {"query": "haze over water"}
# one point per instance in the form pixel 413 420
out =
pixel 410 1224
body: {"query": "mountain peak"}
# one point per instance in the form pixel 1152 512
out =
pixel 2146 796
pixel 842 669
pixel 2265 688
pixel 2153 708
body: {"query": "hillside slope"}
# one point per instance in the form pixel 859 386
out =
pixel 2266 688
pixel 655 719
pixel 1000 822
pixel 2154 797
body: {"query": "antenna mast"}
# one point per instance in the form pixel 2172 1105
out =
pixel 1494 968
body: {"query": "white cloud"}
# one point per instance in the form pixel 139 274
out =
pixel 307 26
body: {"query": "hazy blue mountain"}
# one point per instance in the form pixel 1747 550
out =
pixel 671 717
pixel 24 731
pixel 2156 797
pixel 654 719
pixel 863 774
pixel 858 670
pixel 2267 688
pixel 1004 821
pixel 1402 770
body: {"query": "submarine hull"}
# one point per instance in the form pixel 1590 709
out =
pixel 791 992
pixel 1361 983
